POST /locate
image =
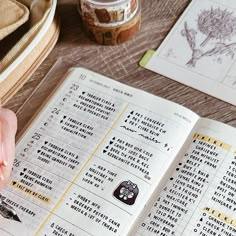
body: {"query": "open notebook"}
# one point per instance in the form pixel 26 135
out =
pixel 101 158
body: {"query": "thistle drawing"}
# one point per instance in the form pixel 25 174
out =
pixel 218 26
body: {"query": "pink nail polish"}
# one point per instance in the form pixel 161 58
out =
pixel 4 155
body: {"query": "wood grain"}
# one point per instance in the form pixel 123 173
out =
pixel 121 62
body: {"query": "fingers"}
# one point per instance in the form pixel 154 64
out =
pixel 8 127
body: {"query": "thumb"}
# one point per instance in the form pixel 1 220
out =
pixel 8 127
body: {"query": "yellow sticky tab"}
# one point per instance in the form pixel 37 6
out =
pixel 28 191
pixel 148 55
pixel 212 141
pixel 220 216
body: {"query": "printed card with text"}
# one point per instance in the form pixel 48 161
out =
pixel 200 50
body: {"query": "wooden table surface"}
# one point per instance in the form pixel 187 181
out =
pixel 121 62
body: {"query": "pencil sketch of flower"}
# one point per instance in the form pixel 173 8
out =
pixel 216 24
pixel 190 34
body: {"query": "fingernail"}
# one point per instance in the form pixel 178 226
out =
pixel 1 175
pixel 4 155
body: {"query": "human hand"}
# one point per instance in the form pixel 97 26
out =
pixel 8 127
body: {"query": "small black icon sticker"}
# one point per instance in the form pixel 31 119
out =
pixel 126 192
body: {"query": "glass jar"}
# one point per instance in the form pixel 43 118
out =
pixel 110 22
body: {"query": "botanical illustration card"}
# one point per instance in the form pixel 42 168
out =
pixel 200 50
